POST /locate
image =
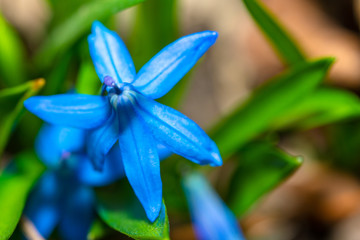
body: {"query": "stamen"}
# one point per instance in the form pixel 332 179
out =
pixel 65 155
pixel 109 81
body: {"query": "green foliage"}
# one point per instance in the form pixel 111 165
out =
pixel 98 230
pixel 11 102
pixel 87 80
pixel 15 186
pixel 324 106
pixel 172 170
pixel 268 102
pixel 261 168
pixel 12 57
pixel 75 26
pixel 121 210
pixel 282 42
pixel 343 140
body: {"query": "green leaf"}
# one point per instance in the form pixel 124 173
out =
pixel 11 102
pixel 324 106
pixel 14 189
pixel 261 168
pixel 87 81
pixel 172 170
pixel 342 149
pixel 274 31
pixel 98 230
pixel 121 210
pixel 78 24
pixel 62 9
pixel 257 114
pixel 57 76
pixel 12 69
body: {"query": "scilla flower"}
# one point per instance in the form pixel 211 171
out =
pixel 212 219
pixel 127 113
pixel 62 198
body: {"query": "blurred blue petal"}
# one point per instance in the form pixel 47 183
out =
pixel 165 69
pixel 140 159
pixel 211 217
pixel 101 140
pixel 178 133
pixel 71 110
pixel 54 143
pixel 112 170
pixel 163 151
pixel 78 213
pixel 110 55
pixel 43 205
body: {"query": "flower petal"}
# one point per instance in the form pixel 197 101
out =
pixel 140 159
pixel 43 205
pixel 110 55
pixel 164 70
pixel 163 151
pixel 78 213
pixel 53 142
pixel 212 219
pixel 178 133
pixel 112 170
pixel 101 140
pixel 70 110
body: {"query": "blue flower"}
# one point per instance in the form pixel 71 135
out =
pixel 126 112
pixel 59 147
pixel 211 217
pixel 60 200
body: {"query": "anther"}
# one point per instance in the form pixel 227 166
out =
pixel 109 81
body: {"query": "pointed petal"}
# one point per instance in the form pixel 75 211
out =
pixel 140 159
pixel 53 142
pixel 178 133
pixel 70 110
pixel 101 140
pixel 43 205
pixel 78 213
pixel 113 169
pixel 110 55
pixel 212 219
pixel 164 70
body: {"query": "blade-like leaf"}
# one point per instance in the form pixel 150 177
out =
pixel 266 104
pixel 66 34
pixel 62 9
pixel 87 81
pixel 120 209
pixel 12 69
pixel 14 188
pixel 261 168
pixel 98 230
pixel 282 42
pixel 324 106
pixel 11 102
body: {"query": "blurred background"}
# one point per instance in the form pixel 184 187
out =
pixel 322 199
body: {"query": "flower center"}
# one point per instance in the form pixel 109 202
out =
pixel 117 92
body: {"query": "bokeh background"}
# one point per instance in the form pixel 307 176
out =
pixel 322 199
